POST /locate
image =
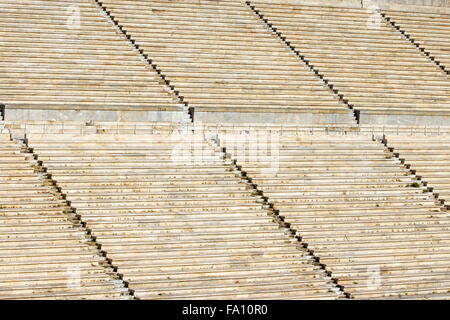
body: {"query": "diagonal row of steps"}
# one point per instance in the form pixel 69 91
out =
pixel 373 227
pixel 176 220
pixel 222 59
pixel 363 57
pixel 429 157
pixel 62 54
pixel 45 252
pixel 431 32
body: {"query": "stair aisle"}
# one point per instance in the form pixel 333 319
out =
pixel 380 73
pixel 45 252
pixel 430 31
pixel 176 220
pixel 63 60
pixel 372 224
pixel 429 156
pixel 226 64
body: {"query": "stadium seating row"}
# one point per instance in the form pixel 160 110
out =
pixel 430 157
pixel 176 220
pixel 64 55
pixel 223 60
pixel 68 61
pixel 430 31
pixel 373 225
pixel 44 251
pixel 367 60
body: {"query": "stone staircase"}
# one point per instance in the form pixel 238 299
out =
pixel 177 220
pixel 63 60
pixel 429 157
pixel 375 68
pixel 356 207
pixel 45 252
pixel 430 32
pixel 226 64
